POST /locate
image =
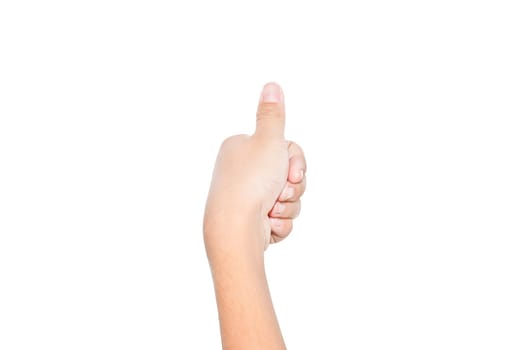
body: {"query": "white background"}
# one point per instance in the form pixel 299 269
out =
pixel 410 114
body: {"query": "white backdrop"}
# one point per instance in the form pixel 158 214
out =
pixel 410 114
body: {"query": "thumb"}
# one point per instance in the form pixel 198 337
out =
pixel 270 118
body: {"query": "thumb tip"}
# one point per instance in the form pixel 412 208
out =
pixel 271 93
pixel 270 118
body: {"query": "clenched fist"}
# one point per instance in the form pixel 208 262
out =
pixel 257 184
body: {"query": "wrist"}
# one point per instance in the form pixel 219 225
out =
pixel 231 227
pixel 239 240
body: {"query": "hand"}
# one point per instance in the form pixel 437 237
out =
pixel 257 183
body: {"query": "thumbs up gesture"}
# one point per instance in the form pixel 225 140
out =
pixel 257 184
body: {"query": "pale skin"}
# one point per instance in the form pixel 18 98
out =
pixel 254 196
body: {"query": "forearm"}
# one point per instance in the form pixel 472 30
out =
pixel 247 317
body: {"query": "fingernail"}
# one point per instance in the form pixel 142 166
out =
pixel 299 175
pixel 271 93
pixel 288 192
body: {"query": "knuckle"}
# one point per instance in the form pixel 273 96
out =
pixel 268 111
pixel 297 150
pixel 298 192
pixel 298 209
pixel 231 141
pixel 289 226
pixel 303 186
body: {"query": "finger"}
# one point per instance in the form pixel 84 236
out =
pixel 287 210
pixel 280 229
pixel 270 118
pixel 297 163
pixel 292 192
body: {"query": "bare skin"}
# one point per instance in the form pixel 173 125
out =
pixel 254 196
